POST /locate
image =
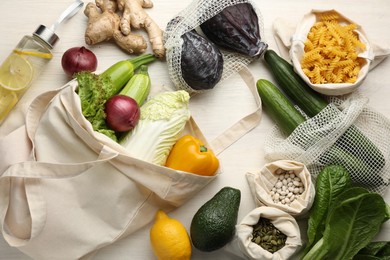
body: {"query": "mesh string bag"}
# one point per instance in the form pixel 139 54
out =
pixel 191 17
pixel 347 132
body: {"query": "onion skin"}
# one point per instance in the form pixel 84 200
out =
pixel 122 113
pixel 78 59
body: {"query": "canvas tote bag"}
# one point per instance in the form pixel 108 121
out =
pixel 290 41
pixel 67 191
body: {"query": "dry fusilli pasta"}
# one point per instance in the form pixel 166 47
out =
pixel 331 51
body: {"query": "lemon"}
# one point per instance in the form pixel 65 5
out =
pixel 8 99
pixel 16 73
pixel 34 53
pixel 169 238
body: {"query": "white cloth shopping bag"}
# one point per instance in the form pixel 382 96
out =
pixel 66 191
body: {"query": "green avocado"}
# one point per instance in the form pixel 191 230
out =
pixel 213 225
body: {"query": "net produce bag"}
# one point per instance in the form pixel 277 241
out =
pixel 347 132
pixel 190 19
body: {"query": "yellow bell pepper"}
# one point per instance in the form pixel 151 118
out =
pixel 189 154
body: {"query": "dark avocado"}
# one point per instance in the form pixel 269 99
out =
pixel 213 225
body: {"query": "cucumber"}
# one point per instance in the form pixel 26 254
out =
pixel 287 117
pixel 312 103
pixel 293 85
pixel 280 109
pixel 357 168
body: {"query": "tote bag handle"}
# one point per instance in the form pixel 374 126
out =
pixel 36 204
pixel 243 125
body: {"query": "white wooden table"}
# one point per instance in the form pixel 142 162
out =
pixel 214 112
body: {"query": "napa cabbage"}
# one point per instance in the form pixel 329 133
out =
pixel 162 121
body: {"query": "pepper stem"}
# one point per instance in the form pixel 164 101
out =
pixel 203 149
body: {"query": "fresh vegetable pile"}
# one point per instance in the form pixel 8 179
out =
pixel 204 45
pixel 94 91
pixel 345 215
pixel 116 104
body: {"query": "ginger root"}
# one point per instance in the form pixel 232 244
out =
pixel 113 20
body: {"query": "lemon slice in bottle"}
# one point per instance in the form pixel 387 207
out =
pixel 16 73
pixel 8 99
pixel 42 55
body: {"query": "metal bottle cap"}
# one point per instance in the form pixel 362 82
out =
pixel 46 35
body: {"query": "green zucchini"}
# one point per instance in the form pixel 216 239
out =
pixel 287 117
pixel 312 103
pixel 121 71
pixel 280 109
pixel 138 87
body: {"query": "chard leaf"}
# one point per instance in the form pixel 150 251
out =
pixel 379 249
pixel 353 224
pixel 344 195
pixel 387 212
pixel 368 257
pixel 331 181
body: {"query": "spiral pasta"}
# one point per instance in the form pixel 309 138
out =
pixel 331 51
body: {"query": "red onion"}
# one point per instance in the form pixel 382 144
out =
pixel 78 59
pixel 122 113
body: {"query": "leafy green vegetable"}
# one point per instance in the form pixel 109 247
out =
pixel 368 257
pixel 93 91
pixel 332 180
pixel 162 121
pixel 387 212
pixel 374 250
pixel 343 219
pixel 353 224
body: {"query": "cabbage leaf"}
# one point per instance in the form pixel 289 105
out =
pixel 162 121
